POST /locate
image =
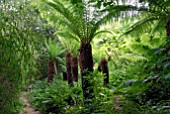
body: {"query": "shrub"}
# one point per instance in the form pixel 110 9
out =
pixel 56 97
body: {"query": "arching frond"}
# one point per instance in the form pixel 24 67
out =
pixel 66 35
pixel 100 32
pixel 159 26
pixel 141 26
pixel 156 16
pixel 133 57
pixel 138 48
pixel 53 49
pixel 112 12
pixel 69 17
pixel 70 44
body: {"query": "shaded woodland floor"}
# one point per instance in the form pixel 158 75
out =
pixel 27 106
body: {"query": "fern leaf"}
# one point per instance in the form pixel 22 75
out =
pixel 133 57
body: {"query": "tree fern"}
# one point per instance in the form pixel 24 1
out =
pixel 79 21
pixel 53 49
pixel 71 45
pixel 153 19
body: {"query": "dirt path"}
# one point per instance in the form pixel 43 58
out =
pixel 27 106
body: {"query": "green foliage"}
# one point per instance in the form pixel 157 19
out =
pixel 56 97
pixel 157 91
pixel 17 50
pixel 132 59
pixel 53 49
pixel 82 24
pixel 153 19
pixel 72 47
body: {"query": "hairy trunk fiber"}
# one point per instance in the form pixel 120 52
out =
pixel 86 65
pixel 168 34
pixel 68 67
pixel 104 68
pixel 64 76
pixel 51 70
pixel 168 28
pixel 74 65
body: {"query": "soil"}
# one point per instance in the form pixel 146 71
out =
pixel 27 106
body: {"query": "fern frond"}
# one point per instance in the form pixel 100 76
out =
pixel 159 26
pixel 157 42
pixel 70 19
pixel 66 35
pixel 100 32
pixel 138 48
pixel 113 12
pixel 133 57
pixel 70 44
pixel 141 26
pixel 53 49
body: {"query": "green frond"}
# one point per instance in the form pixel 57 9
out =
pixel 53 49
pixel 66 35
pixel 113 12
pixel 70 44
pixel 152 42
pixel 157 42
pixel 141 26
pixel 69 17
pixel 159 27
pixel 155 18
pixel 102 31
pixel 133 57
pixel 119 8
pixel 139 48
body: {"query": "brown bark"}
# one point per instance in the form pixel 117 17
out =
pixel 168 35
pixel 64 76
pixel 74 65
pixel 86 66
pixel 68 67
pixel 168 28
pixel 52 70
pixel 104 68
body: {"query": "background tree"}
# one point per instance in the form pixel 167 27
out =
pixel 72 51
pixel 54 51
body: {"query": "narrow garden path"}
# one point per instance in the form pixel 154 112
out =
pixel 27 106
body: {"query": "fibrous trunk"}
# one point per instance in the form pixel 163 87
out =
pixel 104 68
pixel 168 35
pixel 168 28
pixel 74 65
pixel 52 70
pixel 64 76
pixel 86 66
pixel 68 67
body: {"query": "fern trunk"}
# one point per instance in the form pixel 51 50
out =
pixel 52 70
pixel 168 28
pixel 68 67
pixel 105 70
pixel 74 65
pixel 64 76
pixel 86 66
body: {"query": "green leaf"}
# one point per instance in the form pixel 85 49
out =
pixel 102 31
pixel 137 84
pixel 66 34
pixel 167 76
